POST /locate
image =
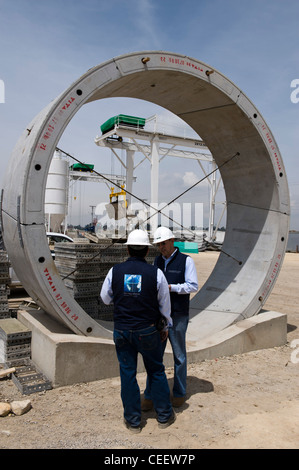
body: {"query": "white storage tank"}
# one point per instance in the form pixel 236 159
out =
pixel 56 194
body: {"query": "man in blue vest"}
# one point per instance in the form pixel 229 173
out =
pixel 180 272
pixel 140 294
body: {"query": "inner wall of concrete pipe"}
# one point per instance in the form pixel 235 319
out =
pixel 243 147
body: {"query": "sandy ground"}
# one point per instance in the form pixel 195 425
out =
pixel 248 401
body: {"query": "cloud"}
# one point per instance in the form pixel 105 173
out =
pixel 190 178
pixel 145 20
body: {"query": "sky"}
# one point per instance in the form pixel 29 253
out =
pixel 46 46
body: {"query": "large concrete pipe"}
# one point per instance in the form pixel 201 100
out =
pixel 254 180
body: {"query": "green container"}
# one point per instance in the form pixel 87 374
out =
pixel 187 247
pixel 82 167
pixel 131 121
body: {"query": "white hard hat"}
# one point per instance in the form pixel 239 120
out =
pixel 162 234
pixel 138 238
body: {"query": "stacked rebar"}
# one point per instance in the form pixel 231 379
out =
pixel 78 265
pixel 83 268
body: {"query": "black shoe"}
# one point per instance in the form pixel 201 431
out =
pixel 167 423
pixel 134 429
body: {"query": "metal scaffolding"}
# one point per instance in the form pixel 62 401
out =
pixel 159 145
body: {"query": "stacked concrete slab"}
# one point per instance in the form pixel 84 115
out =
pixel 83 267
pixel 15 352
pixel 4 281
pixel 15 342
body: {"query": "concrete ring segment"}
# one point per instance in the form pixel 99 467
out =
pixel 254 181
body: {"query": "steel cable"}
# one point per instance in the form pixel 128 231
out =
pixel 157 211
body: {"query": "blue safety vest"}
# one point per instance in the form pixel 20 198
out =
pixel 134 287
pixel 175 274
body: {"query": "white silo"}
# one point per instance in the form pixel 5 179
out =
pixel 56 194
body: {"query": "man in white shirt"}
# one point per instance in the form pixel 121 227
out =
pixel 180 272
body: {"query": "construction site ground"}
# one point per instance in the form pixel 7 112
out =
pixel 248 401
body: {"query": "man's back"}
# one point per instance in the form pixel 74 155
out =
pixel 134 285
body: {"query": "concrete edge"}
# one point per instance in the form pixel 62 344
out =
pixel 66 358
pixel 266 330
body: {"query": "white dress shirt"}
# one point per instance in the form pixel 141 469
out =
pixel 191 281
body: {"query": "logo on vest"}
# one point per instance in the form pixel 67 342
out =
pixel 132 283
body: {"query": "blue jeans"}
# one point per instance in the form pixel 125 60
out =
pixel 147 342
pixel 177 338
